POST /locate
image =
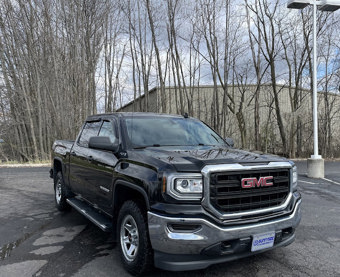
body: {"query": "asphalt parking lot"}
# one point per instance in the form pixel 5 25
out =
pixel 37 240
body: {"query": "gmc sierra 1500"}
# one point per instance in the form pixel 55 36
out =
pixel 173 192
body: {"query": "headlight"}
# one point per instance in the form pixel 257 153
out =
pixel 188 185
pixel 185 186
pixel 294 178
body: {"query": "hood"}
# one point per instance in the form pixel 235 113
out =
pixel 194 158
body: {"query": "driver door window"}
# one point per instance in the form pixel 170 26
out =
pixel 108 130
pixel 91 129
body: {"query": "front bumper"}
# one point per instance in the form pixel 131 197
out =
pixel 208 243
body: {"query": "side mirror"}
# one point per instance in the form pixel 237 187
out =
pixel 229 141
pixel 103 143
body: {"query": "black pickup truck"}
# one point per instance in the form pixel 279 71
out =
pixel 173 192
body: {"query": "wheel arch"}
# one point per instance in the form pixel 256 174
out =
pixel 57 166
pixel 124 191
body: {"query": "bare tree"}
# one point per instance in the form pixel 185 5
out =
pixel 49 54
pixel 158 58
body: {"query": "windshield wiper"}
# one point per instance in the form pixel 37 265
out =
pixel 145 146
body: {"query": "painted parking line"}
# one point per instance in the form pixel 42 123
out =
pixel 307 182
pixel 331 181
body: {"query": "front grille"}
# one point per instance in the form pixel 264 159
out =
pixel 227 195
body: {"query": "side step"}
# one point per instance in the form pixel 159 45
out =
pixel 100 220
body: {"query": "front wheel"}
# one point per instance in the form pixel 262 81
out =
pixel 61 193
pixel 134 245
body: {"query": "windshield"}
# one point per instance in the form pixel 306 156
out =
pixel 169 131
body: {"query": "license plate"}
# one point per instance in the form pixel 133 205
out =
pixel 262 241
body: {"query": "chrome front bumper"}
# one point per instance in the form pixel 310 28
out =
pixel 167 242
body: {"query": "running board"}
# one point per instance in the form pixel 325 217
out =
pixel 94 216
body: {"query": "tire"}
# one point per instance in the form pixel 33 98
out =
pixel 61 193
pixel 133 239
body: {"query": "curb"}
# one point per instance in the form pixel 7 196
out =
pixel 23 165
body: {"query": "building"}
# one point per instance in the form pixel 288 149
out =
pixel 232 113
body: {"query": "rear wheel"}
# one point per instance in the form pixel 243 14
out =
pixel 134 245
pixel 61 193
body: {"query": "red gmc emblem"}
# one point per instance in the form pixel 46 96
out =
pixel 247 183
